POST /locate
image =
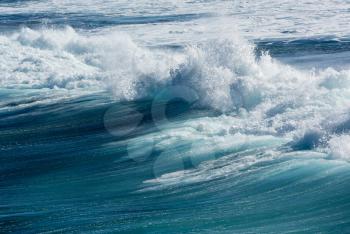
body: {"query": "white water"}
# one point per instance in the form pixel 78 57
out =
pixel 224 73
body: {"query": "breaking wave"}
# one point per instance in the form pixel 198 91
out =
pixel 227 74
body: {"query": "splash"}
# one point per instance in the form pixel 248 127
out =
pixel 226 74
pixel 340 147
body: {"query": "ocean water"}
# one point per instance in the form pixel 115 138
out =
pixel 174 116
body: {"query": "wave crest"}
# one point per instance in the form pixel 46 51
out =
pixel 226 73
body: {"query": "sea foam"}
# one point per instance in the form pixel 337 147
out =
pixel 226 74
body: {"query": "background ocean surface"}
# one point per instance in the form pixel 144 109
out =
pixel 174 116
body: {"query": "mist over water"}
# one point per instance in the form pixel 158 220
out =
pixel 168 117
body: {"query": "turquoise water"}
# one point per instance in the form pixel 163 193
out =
pixel 135 119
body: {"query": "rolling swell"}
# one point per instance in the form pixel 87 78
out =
pixel 309 46
pixel 232 181
pixel 83 21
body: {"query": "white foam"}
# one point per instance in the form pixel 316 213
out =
pixel 340 147
pixel 42 59
pixel 224 73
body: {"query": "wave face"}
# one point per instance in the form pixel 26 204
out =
pixel 164 118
